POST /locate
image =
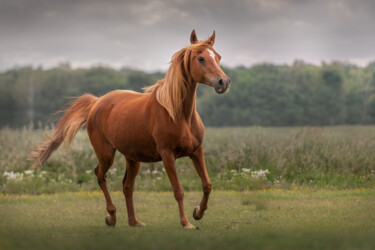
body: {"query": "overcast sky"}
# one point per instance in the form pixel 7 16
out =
pixel 144 34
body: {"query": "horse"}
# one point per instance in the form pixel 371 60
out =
pixel 161 124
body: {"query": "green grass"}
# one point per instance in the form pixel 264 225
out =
pixel 270 219
pixel 317 157
pixel 316 192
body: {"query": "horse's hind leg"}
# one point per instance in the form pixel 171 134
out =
pixel 105 154
pixel 132 169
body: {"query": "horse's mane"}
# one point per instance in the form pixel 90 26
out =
pixel 171 91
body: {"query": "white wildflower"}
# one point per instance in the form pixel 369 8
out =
pixel 147 171
pixel 28 172
pixel 42 173
pixel 13 176
pixel 259 173
pixel 246 170
pixel 112 171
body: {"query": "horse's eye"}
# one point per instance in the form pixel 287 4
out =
pixel 201 59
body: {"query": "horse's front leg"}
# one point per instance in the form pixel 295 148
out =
pixel 169 161
pixel 200 166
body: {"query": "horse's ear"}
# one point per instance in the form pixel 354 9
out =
pixel 193 37
pixel 211 40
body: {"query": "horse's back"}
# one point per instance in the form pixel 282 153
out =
pixel 103 108
pixel 117 96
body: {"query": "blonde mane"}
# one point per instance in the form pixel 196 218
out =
pixel 171 91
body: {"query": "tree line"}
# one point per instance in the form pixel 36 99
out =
pixel 264 94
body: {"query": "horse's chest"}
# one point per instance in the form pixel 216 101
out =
pixel 187 143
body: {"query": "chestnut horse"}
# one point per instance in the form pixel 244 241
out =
pixel 161 124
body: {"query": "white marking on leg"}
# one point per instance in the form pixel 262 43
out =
pixel 212 54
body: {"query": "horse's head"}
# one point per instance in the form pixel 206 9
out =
pixel 196 63
pixel 205 64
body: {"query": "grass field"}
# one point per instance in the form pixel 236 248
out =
pixel 248 158
pixel 273 188
pixel 268 219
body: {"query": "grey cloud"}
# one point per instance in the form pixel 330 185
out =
pixel 145 33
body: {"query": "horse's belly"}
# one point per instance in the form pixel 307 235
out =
pixel 136 146
pixel 140 154
pixel 143 149
pixel 143 157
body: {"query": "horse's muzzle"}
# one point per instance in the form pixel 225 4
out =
pixel 222 85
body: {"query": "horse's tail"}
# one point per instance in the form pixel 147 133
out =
pixel 67 127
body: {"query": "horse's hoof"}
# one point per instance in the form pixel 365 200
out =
pixel 109 222
pixel 195 216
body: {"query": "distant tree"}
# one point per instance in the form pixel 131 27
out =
pixel 265 94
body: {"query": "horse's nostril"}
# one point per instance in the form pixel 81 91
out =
pixel 221 82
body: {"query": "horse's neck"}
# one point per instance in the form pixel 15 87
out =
pixel 188 105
